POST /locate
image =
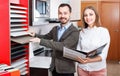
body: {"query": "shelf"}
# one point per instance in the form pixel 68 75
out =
pixel 18 29
pixel 17 16
pixel 18 7
pixel 20 33
pixel 16 46
pixel 22 39
pixel 17 25
pixel 19 62
pixel 17 11
pixel 23 71
pixel 21 54
pixel 21 65
pixel 14 21
pixel 19 37
pixel 17 51
pixel 18 20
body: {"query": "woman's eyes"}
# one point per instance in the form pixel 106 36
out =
pixel 88 15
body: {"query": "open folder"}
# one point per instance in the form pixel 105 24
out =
pixel 73 54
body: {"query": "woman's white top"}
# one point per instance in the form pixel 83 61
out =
pixel 90 39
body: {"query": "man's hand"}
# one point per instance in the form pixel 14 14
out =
pixel 35 40
pixel 31 33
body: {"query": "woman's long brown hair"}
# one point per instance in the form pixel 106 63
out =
pixel 97 21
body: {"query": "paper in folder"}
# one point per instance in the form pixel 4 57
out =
pixel 73 54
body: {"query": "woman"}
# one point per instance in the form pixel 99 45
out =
pixel 91 37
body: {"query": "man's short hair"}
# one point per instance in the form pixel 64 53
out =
pixel 65 4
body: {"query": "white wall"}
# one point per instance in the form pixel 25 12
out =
pixel 75 4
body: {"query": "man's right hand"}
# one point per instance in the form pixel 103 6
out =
pixel 31 33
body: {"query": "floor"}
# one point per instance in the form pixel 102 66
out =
pixel 113 68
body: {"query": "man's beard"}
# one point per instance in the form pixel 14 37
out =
pixel 63 21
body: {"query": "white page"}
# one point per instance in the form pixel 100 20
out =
pixel 72 54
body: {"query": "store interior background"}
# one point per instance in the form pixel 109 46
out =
pixel 109 11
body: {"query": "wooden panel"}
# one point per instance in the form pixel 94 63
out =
pixel 119 31
pixel 110 19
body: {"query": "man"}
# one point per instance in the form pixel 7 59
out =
pixel 63 35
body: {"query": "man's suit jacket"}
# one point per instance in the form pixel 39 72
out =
pixel 68 39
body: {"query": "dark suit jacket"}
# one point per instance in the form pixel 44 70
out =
pixel 68 39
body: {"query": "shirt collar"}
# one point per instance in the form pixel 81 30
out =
pixel 92 27
pixel 66 26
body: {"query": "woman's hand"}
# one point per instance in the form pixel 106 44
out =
pixel 88 60
pixel 83 61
